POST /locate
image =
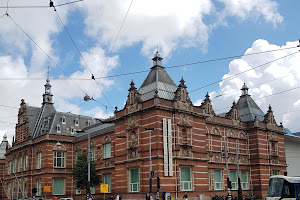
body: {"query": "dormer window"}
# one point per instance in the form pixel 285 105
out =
pixel 63 119
pixel 88 122
pixel 76 121
pixel 58 128
pixel 72 130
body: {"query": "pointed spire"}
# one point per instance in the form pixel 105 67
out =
pixel 182 83
pixel 132 87
pixel 4 138
pixel 207 97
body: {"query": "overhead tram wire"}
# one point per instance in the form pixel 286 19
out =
pixel 115 41
pixel 234 75
pixel 79 52
pixel 217 96
pixel 45 53
pixel 144 71
pixel 283 91
pixel 32 6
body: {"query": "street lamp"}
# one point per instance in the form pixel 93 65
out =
pixel 150 162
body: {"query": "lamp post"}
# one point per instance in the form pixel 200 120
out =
pixel 150 162
pixel 89 168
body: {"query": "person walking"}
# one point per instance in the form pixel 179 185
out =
pixel 185 197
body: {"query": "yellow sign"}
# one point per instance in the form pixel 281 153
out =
pixel 47 189
pixel 104 188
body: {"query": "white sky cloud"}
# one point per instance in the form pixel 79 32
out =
pixel 281 103
pixel 169 24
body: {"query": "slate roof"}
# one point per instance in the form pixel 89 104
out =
pixel 157 80
pixel 96 129
pixel 247 108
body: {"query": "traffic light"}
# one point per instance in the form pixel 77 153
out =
pixel 158 182
pixel 34 190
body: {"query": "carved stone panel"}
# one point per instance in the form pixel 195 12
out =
pixel 217 157
pixel 106 162
pixel 132 153
pixel 132 123
pixel 186 151
pixel 184 120
pixel 244 160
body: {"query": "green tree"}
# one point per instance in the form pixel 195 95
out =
pixel 80 172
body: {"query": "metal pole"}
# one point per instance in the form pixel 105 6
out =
pixel 240 191
pixel 226 155
pixel 150 161
pixel 89 168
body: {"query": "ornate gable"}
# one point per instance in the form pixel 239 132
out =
pixel 181 98
pixel 133 98
pixel 206 105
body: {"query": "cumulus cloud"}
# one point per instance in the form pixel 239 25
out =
pixel 276 83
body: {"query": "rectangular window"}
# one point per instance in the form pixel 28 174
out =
pixel 134 180
pixel 20 164
pixel 9 168
pixel 25 185
pixel 38 187
pixel 218 184
pixel 209 181
pixel 38 160
pixel 14 165
pixel 106 151
pixel 107 181
pixel 63 120
pixel 244 180
pixel 185 178
pixel 76 121
pixel 25 162
pixel 275 172
pixel 234 179
pixel 92 153
pixel 58 128
pixel 8 189
pixel 59 159
pixel 58 186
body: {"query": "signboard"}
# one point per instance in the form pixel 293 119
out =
pixel 47 189
pixel 104 188
pixel 170 147
pixel 165 141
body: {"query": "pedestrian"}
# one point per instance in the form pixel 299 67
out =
pixel 185 197
pixel 117 197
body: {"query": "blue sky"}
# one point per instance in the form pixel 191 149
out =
pixel 183 33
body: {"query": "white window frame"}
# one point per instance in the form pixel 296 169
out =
pixel 63 119
pixel 92 153
pixel 245 185
pixel 38 187
pixel 76 122
pixel 14 165
pixel 221 178
pixel 56 158
pixel 64 188
pixel 77 191
pixel 105 153
pixel 39 160
pixel 93 191
pixel 25 162
pixel 58 128
pixel 132 184
pixel 234 183
pixel 72 130
pixel 109 184
pixel 9 168
pixel 186 183
pixel 20 164
pixel 25 185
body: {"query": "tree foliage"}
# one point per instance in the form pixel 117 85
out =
pixel 80 172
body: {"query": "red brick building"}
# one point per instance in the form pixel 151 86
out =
pixel 187 144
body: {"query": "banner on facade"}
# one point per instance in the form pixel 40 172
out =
pixel 165 140
pixel 170 147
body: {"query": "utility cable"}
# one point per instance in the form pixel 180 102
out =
pixel 234 75
pixel 80 54
pixel 217 96
pixel 63 4
pixel 114 45
pixel 265 96
pixel 144 71
pixel 45 53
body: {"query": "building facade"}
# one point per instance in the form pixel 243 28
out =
pixel 158 133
